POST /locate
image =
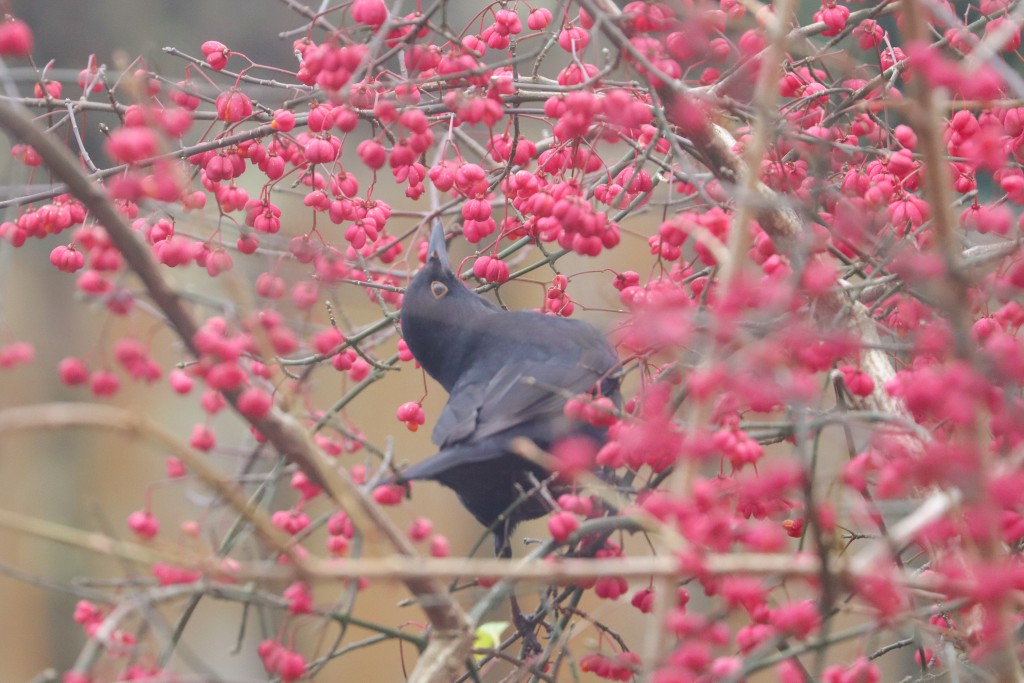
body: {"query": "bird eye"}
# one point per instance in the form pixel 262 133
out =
pixel 438 289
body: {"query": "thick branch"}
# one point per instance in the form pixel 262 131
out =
pixel 285 433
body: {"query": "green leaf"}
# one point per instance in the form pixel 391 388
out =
pixel 488 636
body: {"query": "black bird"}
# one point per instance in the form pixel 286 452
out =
pixel 508 375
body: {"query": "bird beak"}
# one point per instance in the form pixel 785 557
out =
pixel 436 247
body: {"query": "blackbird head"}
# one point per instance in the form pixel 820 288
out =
pixel 440 315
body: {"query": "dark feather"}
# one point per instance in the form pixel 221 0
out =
pixel 508 375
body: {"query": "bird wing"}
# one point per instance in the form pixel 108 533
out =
pixel 477 413
pixel 517 394
pixel 459 467
pixel 438 464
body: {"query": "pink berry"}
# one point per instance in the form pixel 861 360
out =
pixel 370 13
pixel 411 414
pixel 233 106
pixel 216 54
pixel 255 403
pixel 144 524
pixel 439 546
pixel 562 525
pixel 67 259
pixel 388 494
pixel 539 19
pixel 372 153
pixel 284 120
pixel 202 438
pixel 420 529
pixel 175 467
pixel 73 371
pixel 105 383
pixel 15 38
pixel 573 39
